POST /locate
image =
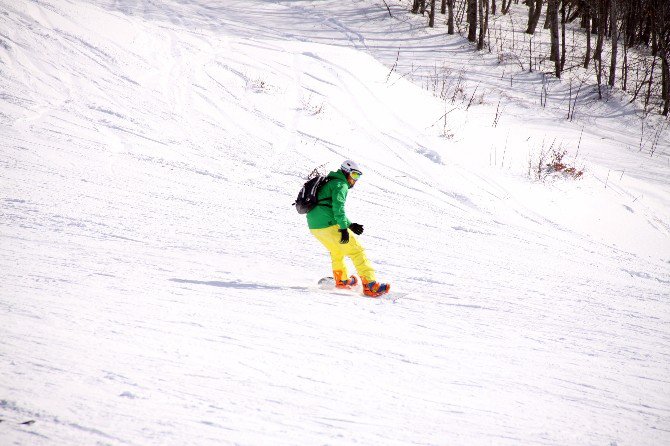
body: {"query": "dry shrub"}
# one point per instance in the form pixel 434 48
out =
pixel 557 165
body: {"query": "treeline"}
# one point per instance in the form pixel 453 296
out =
pixel 619 25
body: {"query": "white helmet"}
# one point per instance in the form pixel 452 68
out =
pixel 348 166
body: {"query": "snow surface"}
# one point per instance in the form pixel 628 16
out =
pixel 157 287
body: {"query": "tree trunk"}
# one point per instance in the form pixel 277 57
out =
pixel 450 19
pixel 531 14
pixel 602 31
pixel 664 53
pixel 415 6
pixel 482 31
pixel 572 15
pixel 614 32
pixel 585 15
pixel 601 27
pixel 665 67
pixel 534 12
pixel 632 19
pixel 484 22
pixel 506 6
pixel 547 22
pixel 443 7
pixel 646 34
pixel 651 77
pixel 624 67
pixel 552 11
pixel 431 15
pixel 587 20
pixel 563 21
pixel 472 20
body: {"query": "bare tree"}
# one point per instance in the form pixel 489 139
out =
pixel 624 41
pixel 534 11
pixel 483 22
pixel 419 6
pixel 665 90
pixel 631 23
pixel 614 34
pixel 587 23
pixel 598 53
pixel 552 11
pixel 472 20
pixel 547 22
pixel 563 22
pixel 662 32
pixel 505 6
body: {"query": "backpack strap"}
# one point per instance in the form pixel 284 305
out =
pixel 328 200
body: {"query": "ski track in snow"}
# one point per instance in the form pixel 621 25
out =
pixel 156 286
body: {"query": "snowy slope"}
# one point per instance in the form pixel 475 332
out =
pixel 156 286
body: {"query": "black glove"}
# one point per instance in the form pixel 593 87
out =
pixel 345 236
pixel 356 228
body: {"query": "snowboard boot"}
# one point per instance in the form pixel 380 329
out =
pixel 375 289
pixel 343 283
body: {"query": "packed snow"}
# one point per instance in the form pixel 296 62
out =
pixel 158 288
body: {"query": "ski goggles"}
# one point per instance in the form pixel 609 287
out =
pixel 355 175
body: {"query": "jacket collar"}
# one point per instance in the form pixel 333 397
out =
pixel 339 175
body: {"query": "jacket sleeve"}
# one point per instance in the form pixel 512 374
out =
pixel 339 197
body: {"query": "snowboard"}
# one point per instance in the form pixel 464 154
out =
pixel 328 284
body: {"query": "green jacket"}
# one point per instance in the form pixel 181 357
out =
pixel 331 211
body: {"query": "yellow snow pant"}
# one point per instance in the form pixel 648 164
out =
pixel 330 238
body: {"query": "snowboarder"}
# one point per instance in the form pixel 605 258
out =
pixel 330 225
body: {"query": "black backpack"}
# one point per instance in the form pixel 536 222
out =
pixel 307 199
